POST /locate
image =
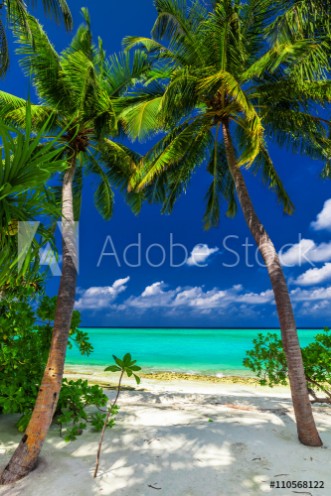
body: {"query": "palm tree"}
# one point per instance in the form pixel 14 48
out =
pixel 216 76
pixel 76 91
pixel 16 16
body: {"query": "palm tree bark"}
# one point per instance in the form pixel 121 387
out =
pixel 25 457
pixel 307 431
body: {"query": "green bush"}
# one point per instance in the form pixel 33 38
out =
pixel 267 359
pixel 25 336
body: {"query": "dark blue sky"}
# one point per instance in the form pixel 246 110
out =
pixel 190 295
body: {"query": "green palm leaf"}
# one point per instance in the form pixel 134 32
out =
pixel 17 17
pixel 282 54
pixel 44 65
pixel 141 120
pixel 26 165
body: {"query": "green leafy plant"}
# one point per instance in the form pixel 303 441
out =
pixel 125 366
pixel 267 360
pixel 25 334
pixel 27 162
pixel 72 415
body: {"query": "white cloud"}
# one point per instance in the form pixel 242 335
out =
pixel 308 295
pixel 317 309
pixel 257 298
pixel 235 301
pixel 315 276
pixel 197 301
pixel 100 297
pixel 154 289
pixel 194 298
pixel 312 302
pixel 322 253
pixel 154 296
pixel 297 253
pixel 200 254
pixel 306 251
pixel 323 220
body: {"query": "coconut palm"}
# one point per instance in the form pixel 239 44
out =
pixel 16 16
pixel 76 91
pixel 220 89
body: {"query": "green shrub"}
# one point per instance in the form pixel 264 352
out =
pixel 72 414
pixel 25 336
pixel 267 359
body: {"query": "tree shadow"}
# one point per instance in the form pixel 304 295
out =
pixel 183 445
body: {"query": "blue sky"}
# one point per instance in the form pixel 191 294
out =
pixel 205 291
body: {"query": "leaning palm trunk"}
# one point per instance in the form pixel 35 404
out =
pixel 26 455
pixel 307 431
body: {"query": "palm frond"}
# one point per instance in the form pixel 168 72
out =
pixel 292 92
pixel 44 65
pixel 9 103
pixel 305 19
pixel 281 54
pixel 177 22
pixel 222 40
pixel 180 97
pixel 169 152
pixel 103 196
pixel 58 10
pixel 17 18
pixel 300 18
pixel 141 120
pixel 253 135
pixel 153 47
pixel 124 70
pixel 271 178
pixel 120 164
pixel 172 181
pixel 80 79
pixel 82 40
pixel 298 131
pixel 256 16
pixel 222 185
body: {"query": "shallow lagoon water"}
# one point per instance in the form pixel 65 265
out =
pixel 205 351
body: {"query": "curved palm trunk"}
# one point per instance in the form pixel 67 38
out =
pixel 306 427
pixel 26 455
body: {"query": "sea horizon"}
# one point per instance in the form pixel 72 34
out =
pixel 196 327
pixel 265 328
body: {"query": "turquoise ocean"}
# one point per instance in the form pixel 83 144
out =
pixel 203 351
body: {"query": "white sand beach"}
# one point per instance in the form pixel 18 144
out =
pixel 183 438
